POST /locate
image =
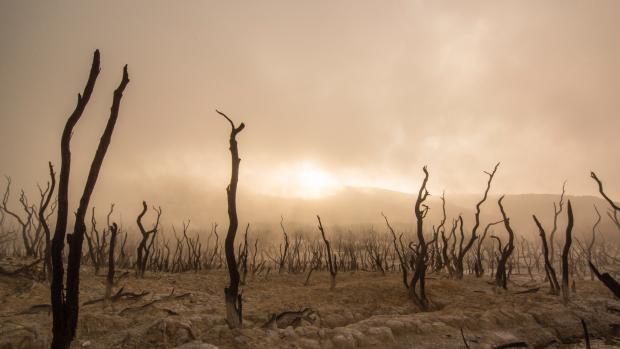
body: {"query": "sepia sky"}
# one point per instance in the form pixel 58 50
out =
pixel 333 94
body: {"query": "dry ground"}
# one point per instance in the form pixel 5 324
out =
pixel 366 310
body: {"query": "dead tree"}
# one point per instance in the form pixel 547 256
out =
pixel 243 256
pixel 282 258
pixel 557 210
pixel 615 209
pixel 566 252
pixel 6 236
pixel 419 274
pixel 593 240
pixel 440 258
pixel 110 278
pixel 96 244
pixel 478 267
pixel 501 275
pixel 400 252
pixel 233 298
pixel 210 259
pixel 25 222
pixel 315 261
pixel 448 256
pixel 549 270
pixel 607 280
pixel 65 301
pixel 144 247
pixel 594 227
pixel 331 258
pixel 43 221
pixel 463 250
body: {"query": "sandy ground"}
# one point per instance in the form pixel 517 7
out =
pixel 366 310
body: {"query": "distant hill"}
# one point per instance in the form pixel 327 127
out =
pixel 352 208
pixel 363 206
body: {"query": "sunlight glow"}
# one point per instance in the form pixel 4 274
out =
pixel 303 179
pixel 313 182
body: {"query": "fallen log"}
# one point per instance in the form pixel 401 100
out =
pixel 512 345
pixel 607 280
pixel 531 290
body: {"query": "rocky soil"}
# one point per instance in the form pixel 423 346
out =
pixel 367 310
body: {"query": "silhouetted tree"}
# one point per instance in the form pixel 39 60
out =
pixel 331 258
pixel 615 208
pixel 233 298
pixel 557 210
pixel 65 301
pixel 110 277
pixel 400 252
pixel 478 267
pixel 565 253
pixel 419 274
pixel 43 221
pixel 283 253
pixel 25 222
pixel 549 270
pixel 145 246
pixel 463 250
pixel 501 275
pixel 605 278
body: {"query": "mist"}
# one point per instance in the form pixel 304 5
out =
pixel 363 94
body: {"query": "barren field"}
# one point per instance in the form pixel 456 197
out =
pixel 366 310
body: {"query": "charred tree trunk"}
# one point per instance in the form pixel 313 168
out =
pixel 478 267
pixel 501 276
pixel 232 296
pixel 566 252
pixel 615 208
pixel 43 219
pixel 419 274
pixel 286 246
pixel 402 256
pixel 557 210
pixel 144 247
pixel 110 278
pixel 549 270
pixel 331 259
pixel 65 302
pixel 244 256
pixel 463 251
pixel 607 280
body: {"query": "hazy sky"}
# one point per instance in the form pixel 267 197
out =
pixel 333 93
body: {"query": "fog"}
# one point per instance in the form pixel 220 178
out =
pixel 334 95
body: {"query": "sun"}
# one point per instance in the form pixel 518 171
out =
pixel 314 182
pixel 302 179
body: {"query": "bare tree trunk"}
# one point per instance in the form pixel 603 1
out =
pixel 607 280
pixel 614 207
pixel 46 228
pixel 286 246
pixel 144 247
pixel 557 209
pixel 549 270
pixel 331 259
pixel 110 278
pixel 232 296
pixel 463 251
pixel 419 274
pixel 402 256
pixel 501 276
pixel 565 253
pixel 65 306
